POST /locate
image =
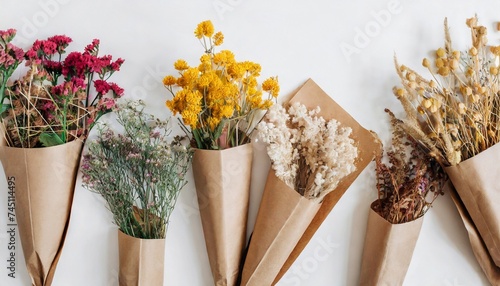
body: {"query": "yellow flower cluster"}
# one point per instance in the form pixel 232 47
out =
pixel 455 114
pixel 219 93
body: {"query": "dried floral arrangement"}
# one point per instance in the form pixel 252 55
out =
pixel 57 100
pixel 409 182
pixel 139 173
pixel 456 113
pixel 308 153
pixel 220 100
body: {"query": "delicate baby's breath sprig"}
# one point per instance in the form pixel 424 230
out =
pixel 220 99
pixel 308 153
pixel 139 173
pixel 409 182
pixel 455 114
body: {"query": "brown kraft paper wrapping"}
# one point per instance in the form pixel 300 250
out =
pixel 311 95
pixel 44 187
pixel 388 250
pixel 476 182
pixel 222 179
pixel 283 217
pixel 483 257
pixel 141 260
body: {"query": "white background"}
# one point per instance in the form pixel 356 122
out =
pixel 296 41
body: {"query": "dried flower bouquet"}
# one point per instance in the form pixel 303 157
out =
pixel 54 106
pixel 309 156
pixel 408 182
pixel 456 116
pixel 220 101
pixel 139 174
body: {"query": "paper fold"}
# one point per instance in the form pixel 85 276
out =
pixel 388 250
pixel 222 180
pixel 479 249
pixel 44 187
pixel 141 261
pixel 476 182
pixel 282 218
pixel 311 95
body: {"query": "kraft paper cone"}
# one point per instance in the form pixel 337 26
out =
pixel 476 181
pixel 479 249
pixel 44 187
pixel 311 95
pixel 222 180
pixel 141 260
pixel 388 250
pixel 283 217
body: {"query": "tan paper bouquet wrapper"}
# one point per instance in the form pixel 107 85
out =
pixel 286 221
pixel 222 180
pixel 44 187
pixel 477 184
pixel 388 250
pixel 479 248
pixel 141 260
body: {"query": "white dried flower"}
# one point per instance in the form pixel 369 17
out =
pixel 308 153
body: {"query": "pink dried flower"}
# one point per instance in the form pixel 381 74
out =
pixel 118 91
pixel 7 35
pixel 93 47
pixel 101 86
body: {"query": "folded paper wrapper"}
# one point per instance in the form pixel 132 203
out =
pixel 476 182
pixel 312 96
pixel 44 187
pixel 388 250
pixel 283 217
pixel 479 248
pixel 141 261
pixel 222 180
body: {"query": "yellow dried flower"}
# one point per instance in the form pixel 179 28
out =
pixel 218 39
pixel 426 63
pixel 453 64
pixel 462 108
pixel 440 52
pixel 444 71
pixel 420 110
pixel 495 50
pixel 400 92
pixel 218 93
pixel 271 85
pixel 169 80
pixel 266 104
pixel 427 103
pixel 410 76
pixel 470 72
pixel 432 84
pixel 456 55
pixel 204 29
pixel 439 63
pixel 473 51
pixel 466 90
pixel 181 65
pixel 494 70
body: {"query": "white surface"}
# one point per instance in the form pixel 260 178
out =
pixel 294 40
